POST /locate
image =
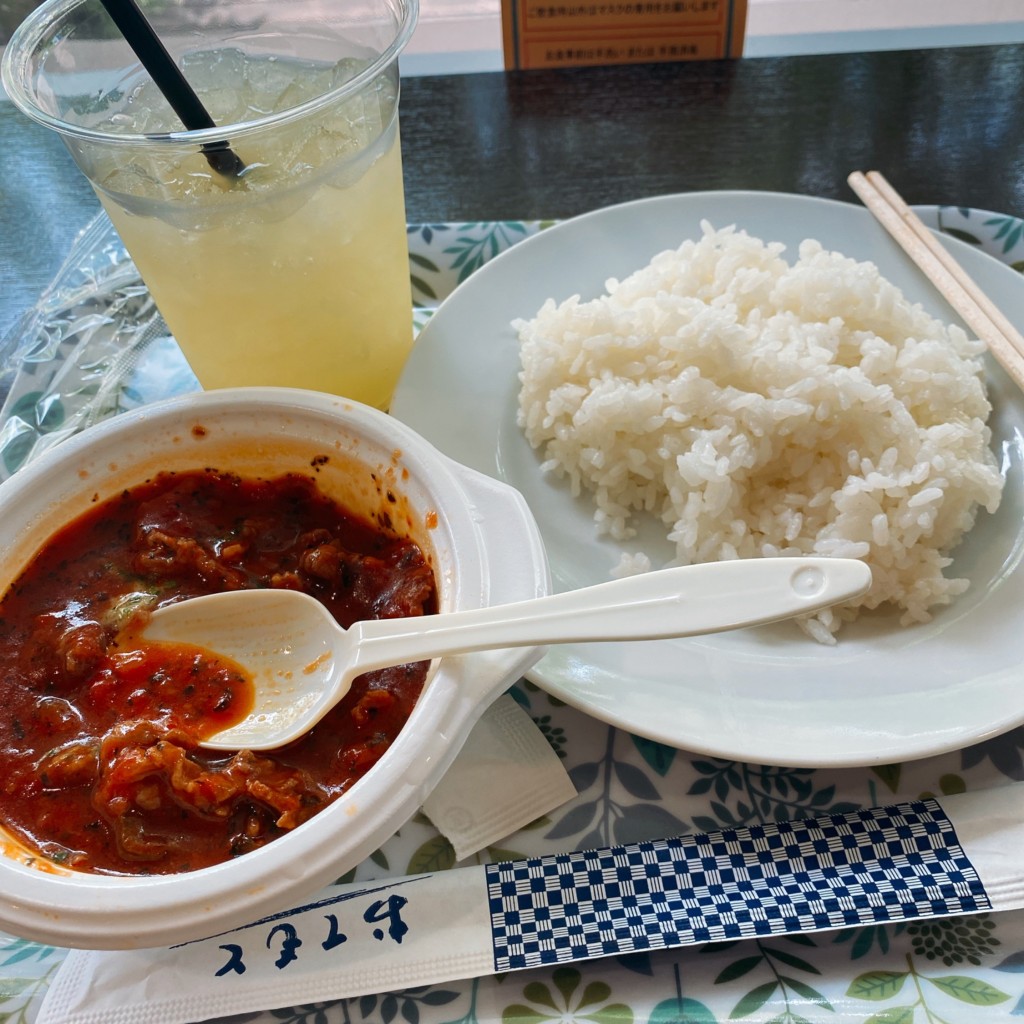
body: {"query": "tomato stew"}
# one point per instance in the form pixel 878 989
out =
pixel 99 764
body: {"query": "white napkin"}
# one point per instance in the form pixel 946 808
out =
pixel 505 776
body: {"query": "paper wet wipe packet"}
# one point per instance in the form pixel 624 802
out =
pixel 506 776
pixel 911 860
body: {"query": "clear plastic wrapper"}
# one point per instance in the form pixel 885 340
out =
pixel 93 345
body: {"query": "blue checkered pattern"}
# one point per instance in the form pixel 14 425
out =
pixel 866 867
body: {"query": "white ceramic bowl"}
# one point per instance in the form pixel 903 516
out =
pixel 485 549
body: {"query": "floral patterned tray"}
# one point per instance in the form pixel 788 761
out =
pixel 95 346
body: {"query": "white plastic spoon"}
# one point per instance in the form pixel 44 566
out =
pixel 302 662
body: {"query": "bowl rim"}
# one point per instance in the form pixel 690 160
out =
pixel 112 911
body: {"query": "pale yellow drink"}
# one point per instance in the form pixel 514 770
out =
pixel 294 274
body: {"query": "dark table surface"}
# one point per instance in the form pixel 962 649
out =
pixel 946 126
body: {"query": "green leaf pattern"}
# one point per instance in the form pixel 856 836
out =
pixel 953 971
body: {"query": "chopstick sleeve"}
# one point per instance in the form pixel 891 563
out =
pixel 921 859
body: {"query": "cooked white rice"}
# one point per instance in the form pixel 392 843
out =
pixel 761 409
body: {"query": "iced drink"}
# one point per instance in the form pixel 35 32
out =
pixel 294 272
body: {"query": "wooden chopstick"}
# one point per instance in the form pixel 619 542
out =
pixel 977 310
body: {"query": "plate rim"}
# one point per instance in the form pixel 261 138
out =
pixel 721 747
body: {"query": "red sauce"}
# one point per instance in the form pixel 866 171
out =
pixel 99 764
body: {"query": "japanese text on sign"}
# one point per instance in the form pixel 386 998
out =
pixel 542 33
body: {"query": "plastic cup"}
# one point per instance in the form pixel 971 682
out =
pixel 295 272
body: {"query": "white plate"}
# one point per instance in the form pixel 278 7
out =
pixel 768 695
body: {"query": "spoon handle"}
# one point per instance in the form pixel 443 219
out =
pixel 677 602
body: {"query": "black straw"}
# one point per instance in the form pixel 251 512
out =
pixel 138 32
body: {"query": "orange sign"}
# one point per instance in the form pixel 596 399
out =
pixel 566 33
